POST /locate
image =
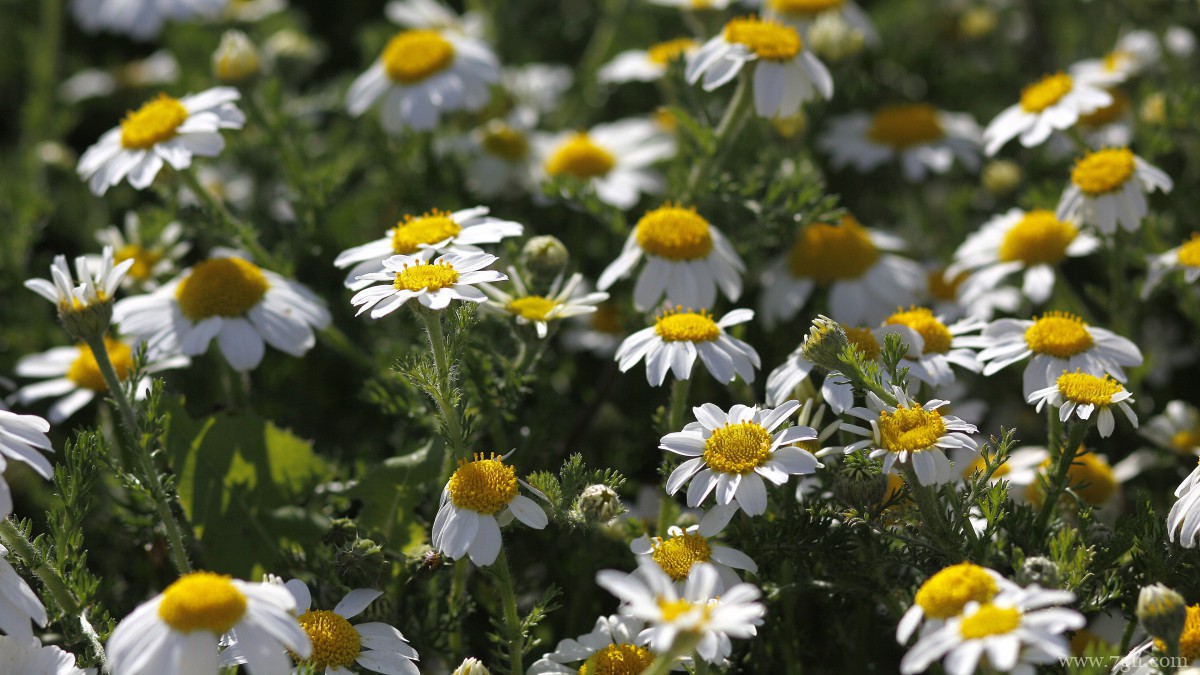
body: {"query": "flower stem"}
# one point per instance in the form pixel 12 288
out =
pixel 675 413
pixel 512 619
pixel 727 130
pixel 683 645
pixel 441 392
pixel 245 234
pixel 1061 460
pixel 933 517
pixel 15 541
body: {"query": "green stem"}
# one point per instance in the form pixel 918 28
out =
pixel 675 414
pixel 244 233
pixel 40 106
pixel 16 542
pixel 458 586
pixel 727 130
pixel 683 645
pixel 933 517
pixel 441 398
pixel 1120 303
pixel 512 619
pixel 1062 465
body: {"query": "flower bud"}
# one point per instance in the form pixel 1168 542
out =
pixel 87 323
pixel 360 564
pixel 236 59
pixel 599 504
pixel 472 666
pixel 825 342
pixel 977 22
pixel 856 486
pixel 292 53
pixel 1038 570
pixel 1163 613
pixel 1154 109
pixel 545 255
pixel 1001 176
pixel 833 39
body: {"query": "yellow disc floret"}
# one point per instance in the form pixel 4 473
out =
pixel 664 53
pixel 426 276
pixel 905 125
pixel 1089 476
pixel 1039 238
pixel 936 335
pixel 673 609
pixel 221 287
pixel 1046 92
pixel 1083 388
pixel 945 594
pixel 942 288
pixel 1189 252
pixel 680 326
pixel 827 253
pixel 580 157
pixel 864 341
pixel 805 8
pixel 335 643
pixel 737 448
pixel 677 555
pixel 621 659
pixel 413 55
pixel 430 228
pixel 767 39
pixel 202 601
pixel 674 233
pixel 144 260
pixel 505 142
pixel 910 429
pixel 1109 113
pixel 1059 334
pixel 482 485
pixel 85 372
pixel 156 121
pixel 1186 440
pixel 532 307
pixel 1103 171
pixel 1189 641
pixel 990 620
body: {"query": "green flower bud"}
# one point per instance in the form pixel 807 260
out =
pixel 236 59
pixel 1163 613
pixel 825 342
pixel 599 504
pixel 545 255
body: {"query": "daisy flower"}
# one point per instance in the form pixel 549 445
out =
pixel 562 301
pixel 935 346
pixel 423 73
pixel 922 138
pixel 431 14
pixel 1135 52
pixel 1053 103
pixel 86 288
pixel 1090 477
pixel 433 283
pixel 785 76
pixel 1184 257
pixel 600 332
pixel 651 596
pixel 1177 428
pixel 1109 186
pixel 164 129
pixel 645 65
pixel 733 452
pixel 945 594
pixel 140 19
pixel 1082 394
pixel 678 336
pixel 18 603
pixel 480 493
pixel 152 260
pixel 229 298
pixel 803 14
pixel 499 155
pixel 1029 242
pixel 865 280
pixel 613 158
pixel 952 296
pixel 31 658
pixel 21 436
pixel 160 68
pixel 472 666
pixel 682 550
pixel 910 434
pixel 538 86
pixel 1012 632
pixel 178 630
pixel 431 231
pixel 337 645
pixel 75 376
pixel 611 647
pixel 687 259
pixel 1184 519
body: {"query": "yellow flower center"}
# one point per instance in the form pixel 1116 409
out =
pixel 1186 440
pixel 665 119
pixel 807 8
pixel 430 228
pixel 905 125
pixel 767 39
pixel 335 643
pixel 945 594
pixel 673 609
pixel 483 485
pixel 679 326
pixel 737 448
pixel 936 335
pixel 202 601
pixel 674 233
pixel 413 55
pixel 941 289
pixel 990 620
pixel 532 307
pixel 85 372
pixel 1059 334
pixel 144 260
pixel 1114 60
pixel 622 659
pixel 1189 641
pixel 980 465
pixel 1089 476
pixel 1103 171
pixel 1084 388
pixel 505 142
pixel 677 555
pixel 864 341
pixel 664 53
pixel 1109 113
pixel 1189 252
pixel 827 253
pixel 426 276
pixel 1046 92
pixel 580 157
pixel 1038 239
pixel 221 287
pixel 911 429
pixel 156 121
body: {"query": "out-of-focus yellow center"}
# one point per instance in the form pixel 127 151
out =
pixel 905 125
pixel 505 142
pixel 1046 92
pixel 827 253
pixel 532 307
pixel 1109 113
pixel 1059 334
pixel 664 53
pixel 85 372
pixel 804 8
pixel 1039 238
pixel 1189 252
pixel 144 260
pixel 945 594
pixel 936 335
pixel 1103 171
pixel 864 341
pixel 767 39
pixel 674 233
pixel 202 601
pixel 1089 476
pixel 580 157
pixel 413 55
pixel 942 288
pixel 1189 641
pixel 156 121
pixel 990 620
pixel 221 287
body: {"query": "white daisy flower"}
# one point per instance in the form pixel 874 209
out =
pixel 562 301
pixel 866 281
pixel 650 595
pixel 921 137
pixel 686 260
pixel 229 298
pixel 694 5
pixel 152 260
pixel 600 332
pixel 141 19
pixel 423 73
pixel 1053 103
pixel 1184 257
pixel 481 493
pixel 1012 632
pixel 1057 341
pixel 613 158
pixel 733 452
pixel 21 436
pixel 1109 186
pixel 803 14
pixel 164 129
pixel 944 595
pixel 29 657
pixel 160 68
pixel 678 336
pixel 932 345
pixel 472 666
pixel 431 231
pixel 1135 52
pixel 911 434
pixel 499 157
pixel 87 288
pixel 1030 242
pixel 1090 477
pixel 1184 519
pixel 337 645
pixel 19 605
pixel 432 14
pixel 785 74
pixel 433 283
pixel 1082 394
pixel 645 65
pixel 1177 428
pixel 682 550
pixel 177 631
pixel 74 375
pixel 611 647
pixel 538 86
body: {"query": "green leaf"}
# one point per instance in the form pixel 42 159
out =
pixel 390 491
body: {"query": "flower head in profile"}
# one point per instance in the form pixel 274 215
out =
pixel 87 290
pixel 21 438
pixel 1183 522
pixel 1185 257
pixel 141 20
pixel 1081 394
pixel 434 283
pixel 152 259
pixel 612 646
pixel 1134 52
pixel 678 337
pixel 164 129
pixel 1053 103
pixel 561 301
pixel 614 158
pixel 933 346
pixel 499 155
pixel 1109 187
pixel 480 494
pixel 945 594
pixel 920 137
pixel 646 65
pixel 1177 428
